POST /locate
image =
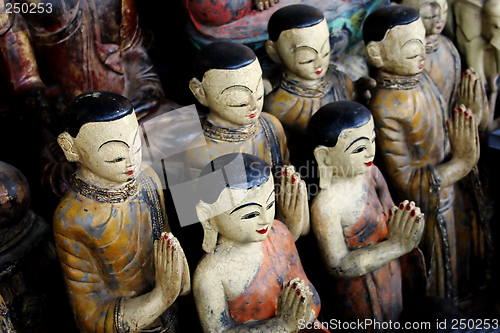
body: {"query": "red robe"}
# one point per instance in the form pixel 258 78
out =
pixel 280 263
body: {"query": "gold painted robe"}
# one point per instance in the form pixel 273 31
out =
pixel 410 116
pixel 106 250
pixel 294 104
pixel 259 145
pixel 442 62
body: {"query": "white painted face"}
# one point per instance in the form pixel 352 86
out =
pixel 403 49
pixel 234 97
pixel 251 219
pixel 110 150
pixel 434 16
pixel 354 152
pixel 305 52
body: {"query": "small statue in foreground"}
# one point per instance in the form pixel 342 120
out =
pixel 120 275
pixel 251 279
pixel 421 156
pixel 362 237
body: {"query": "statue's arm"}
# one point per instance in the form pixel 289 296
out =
pixel 341 262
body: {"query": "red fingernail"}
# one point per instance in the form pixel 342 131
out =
pixel 402 206
pixel 408 207
pixel 282 173
pixel 298 292
pixel 447 123
pixel 281 287
pixel 455 111
pixel 166 236
pixel 294 180
pixel 412 213
pixel 466 114
pixel 294 286
pixel 302 299
pixel 463 75
pixel 288 285
pixel 390 212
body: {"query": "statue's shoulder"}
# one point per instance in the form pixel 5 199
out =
pixel 279 101
pixel 274 122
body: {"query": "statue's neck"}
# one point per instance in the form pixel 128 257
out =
pixel 431 43
pixel 247 248
pixel 92 179
pixel 215 120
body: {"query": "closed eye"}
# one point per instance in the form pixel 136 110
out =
pixel 270 205
pixel 239 105
pixel 306 62
pixel 116 160
pixel 260 97
pixel 358 150
pixel 326 54
pixel 416 55
pixel 250 215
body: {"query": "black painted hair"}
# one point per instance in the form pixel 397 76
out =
pixel 331 119
pixel 94 107
pixel 384 19
pixel 222 55
pixel 292 17
pixel 236 170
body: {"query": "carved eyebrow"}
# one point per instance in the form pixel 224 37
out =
pixel 237 85
pixel 113 141
pixel 304 46
pixel 360 138
pixel 412 40
pixel 245 205
pixel 270 195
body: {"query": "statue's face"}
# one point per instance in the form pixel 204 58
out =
pixel 234 97
pixel 305 52
pixel 110 150
pixel 434 16
pixel 354 152
pixel 251 218
pixel 403 49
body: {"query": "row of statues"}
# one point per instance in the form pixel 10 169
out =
pixel 124 269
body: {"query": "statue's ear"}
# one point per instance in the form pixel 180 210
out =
pixel 66 143
pixel 321 155
pixel 374 53
pixel 197 89
pixel 204 213
pixel 271 51
pixel 325 171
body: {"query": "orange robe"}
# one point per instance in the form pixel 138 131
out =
pixel 280 263
pixel 378 294
pixel 106 250
pixel 294 104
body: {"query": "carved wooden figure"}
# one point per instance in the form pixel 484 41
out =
pixel 251 279
pixel 362 235
pixel 442 60
pixel 420 157
pixel 120 276
pixel 477 35
pixel 299 40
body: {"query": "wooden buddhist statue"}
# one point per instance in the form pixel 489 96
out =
pixel 251 279
pixel 361 235
pixel 120 276
pixel 421 156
